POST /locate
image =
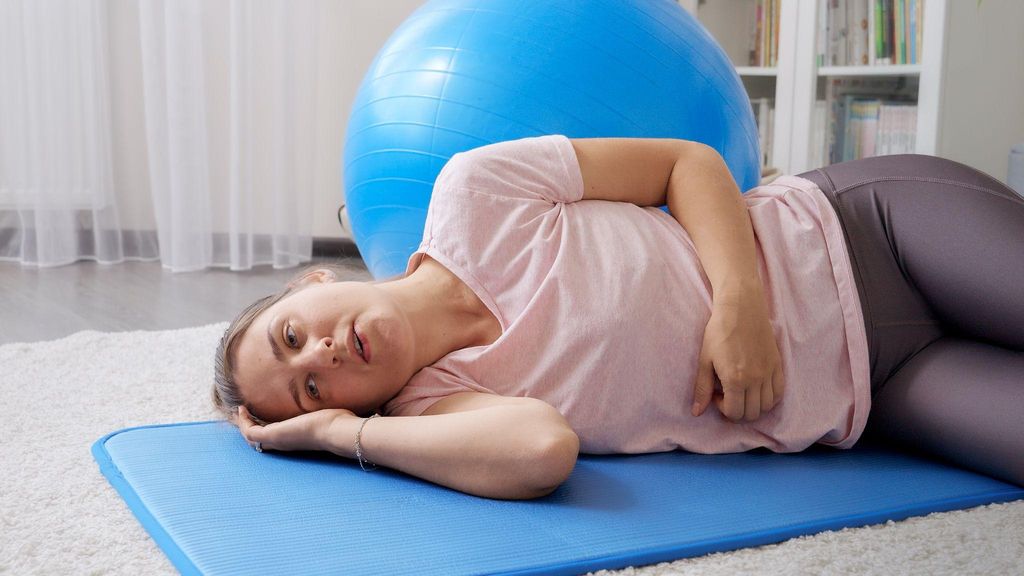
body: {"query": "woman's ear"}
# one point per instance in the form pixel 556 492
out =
pixel 320 275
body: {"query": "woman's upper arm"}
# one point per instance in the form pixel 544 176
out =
pixel 634 170
pixel 544 417
pixel 466 401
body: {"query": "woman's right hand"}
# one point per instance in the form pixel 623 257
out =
pixel 304 432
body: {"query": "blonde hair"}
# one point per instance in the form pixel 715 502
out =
pixel 226 395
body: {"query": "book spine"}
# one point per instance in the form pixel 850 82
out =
pixel 879 32
pixel 905 41
pixel 851 33
pixel 882 135
pixel 890 30
pixel 822 36
pixel 898 44
pixel 832 126
pixel 912 129
pixel 775 33
pixel 861 33
pixel 901 130
pixel 920 27
pixel 912 40
pixel 752 38
pixel 857 117
pixel 757 25
pixel 844 130
pixel 872 37
pixel 818 151
pixel 830 55
pixel 851 147
pixel 871 127
pixel 904 27
pixel 890 130
pixel 841 32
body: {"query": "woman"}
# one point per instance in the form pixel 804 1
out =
pixel 552 308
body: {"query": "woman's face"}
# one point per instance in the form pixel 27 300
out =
pixel 301 354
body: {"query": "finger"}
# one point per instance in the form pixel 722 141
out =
pixel 767 396
pixel 732 403
pixel 242 419
pixel 720 404
pixel 703 388
pixel 250 430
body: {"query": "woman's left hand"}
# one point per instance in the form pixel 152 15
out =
pixel 304 432
pixel 740 347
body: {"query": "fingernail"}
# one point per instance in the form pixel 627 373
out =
pixel 696 408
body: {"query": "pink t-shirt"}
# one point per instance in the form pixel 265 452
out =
pixel 603 307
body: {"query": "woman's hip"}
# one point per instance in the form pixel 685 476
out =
pixel 873 198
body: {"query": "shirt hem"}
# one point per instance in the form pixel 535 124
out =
pixel 853 317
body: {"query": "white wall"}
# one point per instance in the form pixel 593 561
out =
pixel 722 22
pixel 355 31
pixel 351 33
pixel 983 84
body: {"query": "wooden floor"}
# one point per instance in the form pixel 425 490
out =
pixel 44 304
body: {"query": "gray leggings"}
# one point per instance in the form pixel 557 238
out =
pixel 937 250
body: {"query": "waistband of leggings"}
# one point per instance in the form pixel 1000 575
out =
pixel 830 193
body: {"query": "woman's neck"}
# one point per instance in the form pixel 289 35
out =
pixel 444 313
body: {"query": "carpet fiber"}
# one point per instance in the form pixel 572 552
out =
pixel 59 515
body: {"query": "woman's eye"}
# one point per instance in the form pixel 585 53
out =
pixel 289 337
pixel 311 388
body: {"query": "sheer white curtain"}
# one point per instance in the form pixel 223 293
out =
pixel 229 102
pixel 57 201
pixel 230 94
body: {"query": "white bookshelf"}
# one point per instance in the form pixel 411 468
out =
pixel 987 41
pixel 928 73
pixel 890 70
pixel 757 70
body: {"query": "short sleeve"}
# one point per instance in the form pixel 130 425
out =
pixel 539 168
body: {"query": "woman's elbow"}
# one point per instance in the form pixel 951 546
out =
pixel 554 462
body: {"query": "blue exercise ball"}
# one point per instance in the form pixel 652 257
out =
pixel 459 74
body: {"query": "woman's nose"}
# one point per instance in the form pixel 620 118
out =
pixel 324 354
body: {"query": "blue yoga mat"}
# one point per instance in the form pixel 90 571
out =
pixel 216 506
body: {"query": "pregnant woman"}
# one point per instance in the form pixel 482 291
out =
pixel 552 309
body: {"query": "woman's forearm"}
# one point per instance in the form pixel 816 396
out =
pixel 500 452
pixel 703 197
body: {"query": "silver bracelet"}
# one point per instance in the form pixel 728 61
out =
pixel 359 447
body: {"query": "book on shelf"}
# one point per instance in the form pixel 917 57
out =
pixel 764 34
pixel 764 116
pixel 857 16
pixel 821 38
pixel 819 141
pixel 862 117
pixel 776 12
pixel 870 32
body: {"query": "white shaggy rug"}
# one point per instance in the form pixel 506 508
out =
pixel 58 515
